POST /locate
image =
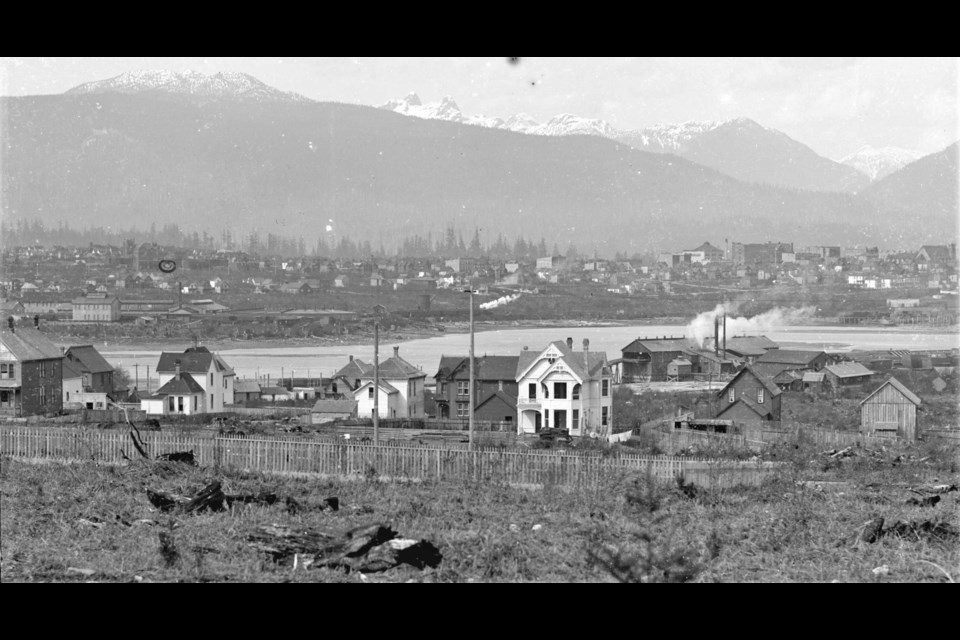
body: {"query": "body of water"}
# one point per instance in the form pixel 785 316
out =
pixel 303 361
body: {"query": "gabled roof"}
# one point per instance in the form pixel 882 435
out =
pixel 760 410
pixel 396 368
pixel 655 345
pixel 750 345
pixel 935 252
pixel 766 381
pixel 790 356
pixel 848 370
pixel 88 358
pixel 70 370
pixel 502 395
pixel 356 368
pixel 485 367
pixel 194 360
pixel 29 344
pixel 275 391
pixel 344 405
pixel 384 386
pixel 813 376
pixel 899 386
pixel 246 386
pixel 584 364
pixel 180 385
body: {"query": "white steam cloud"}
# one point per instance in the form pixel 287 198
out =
pixel 499 302
pixel 702 326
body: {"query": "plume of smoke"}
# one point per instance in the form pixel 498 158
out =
pixel 701 327
pixel 499 302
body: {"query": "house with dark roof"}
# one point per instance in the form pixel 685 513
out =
pixel 245 391
pixel 562 388
pixel 330 409
pixel 497 406
pixel 31 373
pixel 491 374
pixel 847 374
pixel 773 362
pixel 401 387
pixel 348 378
pixel 890 410
pixel 750 397
pixel 181 394
pixel 96 372
pixel 208 369
pixel 747 348
pixel 647 359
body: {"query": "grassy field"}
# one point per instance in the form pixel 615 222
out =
pixel 85 522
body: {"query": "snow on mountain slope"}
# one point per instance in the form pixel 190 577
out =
pixel 192 83
pixel 879 163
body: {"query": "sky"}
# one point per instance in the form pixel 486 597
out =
pixel 833 105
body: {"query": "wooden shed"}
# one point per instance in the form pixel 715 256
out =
pixel 890 410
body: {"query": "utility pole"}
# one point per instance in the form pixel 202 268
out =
pixel 376 381
pixel 471 398
pixel 136 369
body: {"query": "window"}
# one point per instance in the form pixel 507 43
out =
pixel 604 412
pixel 43 394
pixel 171 403
pixel 546 418
pixel 462 410
pixel 443 388
pixel 211 402
pixel 179 404
pixel 576 418
pixel 576 392
pixel 7 371
pixel 333 387
pixel 732 397
pixel 43 369
pixel 370 392
pixel 560 390
pixel 211 379
pixel 532 390
pixel 194 403
pixel 546 391
pixel 760 395
pixel 605 388
pixel 463 388
pixel 224 383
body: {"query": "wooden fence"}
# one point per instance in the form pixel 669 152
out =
pixel 291 456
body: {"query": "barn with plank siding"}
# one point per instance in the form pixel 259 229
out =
pixel 890 410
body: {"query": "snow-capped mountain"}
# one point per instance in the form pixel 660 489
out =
pixel 738 147
pixel 192 83
pixel 879 163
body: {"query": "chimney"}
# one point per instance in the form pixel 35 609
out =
pixel 36 321
pixel 500 385
pixel 716 336
pixel 396 352
pixel 724 336
pixel 569 343
pixel 10 324
pixel 177 368
pixel 351 358
pixel 586 345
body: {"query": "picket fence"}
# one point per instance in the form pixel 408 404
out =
pixel 396 461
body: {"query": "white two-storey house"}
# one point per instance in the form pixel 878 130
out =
pixel 400 393
pixel 561 388
pixel 214 376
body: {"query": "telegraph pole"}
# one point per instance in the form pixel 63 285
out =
pixel 376 381
pixel 471 398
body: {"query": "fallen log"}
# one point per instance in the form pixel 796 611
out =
pixel 373 547
pixel 185 457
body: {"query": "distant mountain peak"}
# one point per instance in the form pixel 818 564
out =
pixel 878 163
pixel 224 84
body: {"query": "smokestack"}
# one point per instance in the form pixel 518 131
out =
pixel 396 352
pixel 36 321
pixel 351 358
pixel 716 336
pixel 724 336
pixel 569 343
pixel 10 324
